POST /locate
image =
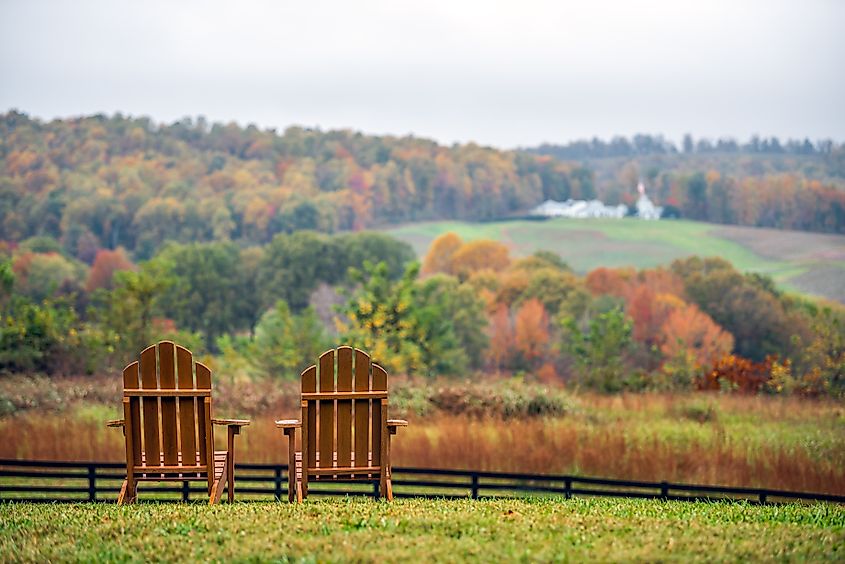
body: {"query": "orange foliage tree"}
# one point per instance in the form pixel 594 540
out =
pixel 613 281
pixel 688 329
pixel 478 255
pixel 106 263
pixel 501 333
pixel 737 373
pixel 439 255
pixel 531 331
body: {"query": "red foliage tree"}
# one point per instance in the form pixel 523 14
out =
pixel 501 334
pixel 106 263
pixel 531 330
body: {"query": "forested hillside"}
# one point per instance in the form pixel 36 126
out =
pixel 108 182
pixel 114 181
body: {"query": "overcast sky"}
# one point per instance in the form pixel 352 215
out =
pixel 507 74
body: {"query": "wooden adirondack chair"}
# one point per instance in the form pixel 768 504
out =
pixel 168 425
pixel 344 427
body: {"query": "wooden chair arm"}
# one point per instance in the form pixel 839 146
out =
pixel 394 424
pixel 288 425
pixel 116 423
pixel 231 422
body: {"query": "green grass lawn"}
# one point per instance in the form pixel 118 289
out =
pixel 805 262
pixel 366 530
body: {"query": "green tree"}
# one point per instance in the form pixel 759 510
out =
pixel 205 290
pixel 355 248
pixel 458 309
pixel 599 348
pixel 125 314
pixel 284 343
pixel 293 265
pixel 385 318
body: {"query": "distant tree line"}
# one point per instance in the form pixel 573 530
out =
pixel 640 145
pixel 104 182
pixel 469 309
pixel 108 182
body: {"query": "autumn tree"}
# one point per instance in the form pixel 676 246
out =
pixel 742 305
pixel 106 263
pixel 440 253
pixel 502 341
pixel 690 329
pixel 531 331
pixel 478 255
pixel 612 281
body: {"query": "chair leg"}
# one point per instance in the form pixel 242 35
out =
pixel 128 492
pixel 388 490
pixel 299 492
pixel 292 483
pixel 230 478
pixel 217 488
pixel 122 495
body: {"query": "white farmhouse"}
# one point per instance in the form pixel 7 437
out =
pixel 579 209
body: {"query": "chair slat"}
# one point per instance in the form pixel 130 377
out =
pixel 203 421
pixel 326 430
pixel 338 395
pixel 150 406
pixel 380 384
pixel 187 406
pixel 309 384
pixel 130 380
pixel 362 408
pixel 344 407
pixel 167 381
pixel 167 393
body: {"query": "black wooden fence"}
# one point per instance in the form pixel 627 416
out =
pixel 48 481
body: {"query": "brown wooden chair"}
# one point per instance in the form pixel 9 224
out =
pixel 344 427
pixel 168 425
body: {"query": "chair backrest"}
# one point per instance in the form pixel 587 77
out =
pixel 344 414
pixel 167 400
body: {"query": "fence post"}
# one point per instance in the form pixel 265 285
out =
pixel 567 487
pixel 277 482
pixel 92 482
pixel 474 485
pixel 376 492
pixel 664 490
pixel 762 496
pixel 186 492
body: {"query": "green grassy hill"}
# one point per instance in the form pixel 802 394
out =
pixel 809 263
pixel 358 529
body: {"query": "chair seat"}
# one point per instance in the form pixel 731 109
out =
pixel 219 466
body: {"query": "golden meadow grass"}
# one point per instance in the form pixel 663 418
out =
pixel 780 443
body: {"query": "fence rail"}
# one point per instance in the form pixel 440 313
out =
pixel 51 481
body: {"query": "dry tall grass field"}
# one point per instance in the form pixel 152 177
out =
pixel 759 441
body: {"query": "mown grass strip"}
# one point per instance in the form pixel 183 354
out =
pixel 359 528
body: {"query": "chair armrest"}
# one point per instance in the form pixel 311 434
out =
pixel 231 422
pixel 289 424
pixel 116 423
pixel 394 424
